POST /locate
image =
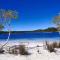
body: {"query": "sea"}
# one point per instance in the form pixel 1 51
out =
pixel 31 36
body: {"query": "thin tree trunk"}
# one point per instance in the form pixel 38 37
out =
pixel 8 35
pixel 7 39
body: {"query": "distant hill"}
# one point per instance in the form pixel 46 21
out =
pixel 51 29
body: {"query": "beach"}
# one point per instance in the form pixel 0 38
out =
pixel 33 47
pixel 29 29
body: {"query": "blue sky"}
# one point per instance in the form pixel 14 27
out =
pixel 33 14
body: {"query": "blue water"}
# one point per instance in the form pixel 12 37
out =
pixel 31 35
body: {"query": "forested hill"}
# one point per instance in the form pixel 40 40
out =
pixel 51 29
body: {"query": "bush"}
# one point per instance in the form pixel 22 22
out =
pixel 22 50
pixel 1 51
pixel 50 48
pixel 59 44
pixel 13 50
pixel 55 45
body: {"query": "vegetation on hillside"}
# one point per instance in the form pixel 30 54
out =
pixel 51 29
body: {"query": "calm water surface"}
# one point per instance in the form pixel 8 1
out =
pixel 32 36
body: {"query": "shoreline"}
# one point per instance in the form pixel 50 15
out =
pixel 31 39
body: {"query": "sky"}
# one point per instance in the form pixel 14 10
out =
pixel 32 14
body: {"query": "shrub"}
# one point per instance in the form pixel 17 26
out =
pixel 59 44
pixel 13 50
pixel 50 47
pixel 55 45
pixel 1 51
pixel 22 50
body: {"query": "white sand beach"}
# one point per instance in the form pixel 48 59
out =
pixel 32 48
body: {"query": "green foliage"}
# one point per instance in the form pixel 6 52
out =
pixel 51 29
pixel 8 14
pixel 56 21
pixel 1 27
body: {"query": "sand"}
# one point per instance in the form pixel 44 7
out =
pixel 42 55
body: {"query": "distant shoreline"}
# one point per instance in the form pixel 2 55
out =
pixel 50 29
pixel 25 32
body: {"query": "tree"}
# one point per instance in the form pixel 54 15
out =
pixel 1 27
pixel 5 19
pixel 56 20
